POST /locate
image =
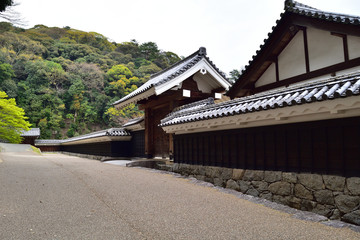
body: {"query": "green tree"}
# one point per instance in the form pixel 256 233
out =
pixel 6 72
pixel 234 75
pixel 4 4
pixel 12 119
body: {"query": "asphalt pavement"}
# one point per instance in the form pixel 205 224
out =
pixel 55 196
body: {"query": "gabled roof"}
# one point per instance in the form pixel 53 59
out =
pixel 33 132
pixel 295 14
pixel 303 93
pixel 170 77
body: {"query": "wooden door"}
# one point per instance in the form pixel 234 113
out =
pixel 161 138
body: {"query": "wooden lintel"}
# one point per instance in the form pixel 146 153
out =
pixel 165 99
pixel 317 73
pixel 218 90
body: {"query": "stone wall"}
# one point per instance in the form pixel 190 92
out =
pixel 331 196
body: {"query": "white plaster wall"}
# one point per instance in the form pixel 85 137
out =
pixel 354 46
pixel 206 83
pixel 324 49
pixel 269 76
pixel 292 59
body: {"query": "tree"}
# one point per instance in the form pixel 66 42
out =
pixel 12 119
pixel 4 4
pixel 234 75
pixel 7 12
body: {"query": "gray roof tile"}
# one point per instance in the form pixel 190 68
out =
pixel 171 73
pixel 33 132
pixel 304 10
pixel 108 132
pixel 303 93
pixel 133 121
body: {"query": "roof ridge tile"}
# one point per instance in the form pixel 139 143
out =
pixel 302 93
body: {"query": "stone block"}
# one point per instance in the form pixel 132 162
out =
pixel 238 174
pixel 352 217
pixel 335 183
pixel 253 175
pixel 324 210
pixel 209 179
pixel 243 185
pixel 200 177
pixel 353 184
pixel 311 181
pixel 280 199
pixel 213 172
pixel 289 177
pixel 346 203
pixel 294 202
pixel 280 188
pixel 252 192
pixel 232 185
pixel 324 197
pixel 272 176
pixel 226 173
pixel 302 192
pixel 267 196
pixel 260 185
pixel 202 170
pixel 307 205
pixel 218 182
pixel 335 214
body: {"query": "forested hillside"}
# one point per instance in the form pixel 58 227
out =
pixel 66 79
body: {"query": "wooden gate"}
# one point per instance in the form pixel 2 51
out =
pixel 161 139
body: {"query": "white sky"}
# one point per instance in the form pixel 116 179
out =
pixel 231 30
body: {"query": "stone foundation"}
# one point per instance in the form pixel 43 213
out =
pixel 332 196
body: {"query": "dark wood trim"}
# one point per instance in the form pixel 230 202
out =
pixel 149 143
pixel 277 69
pixel 347 29
pixel 274 44
pixel 281 36
pixel 317 73
pixel 306 49
pixel 346 48
pixel 345 44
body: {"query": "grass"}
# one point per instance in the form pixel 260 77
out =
pixel 35 149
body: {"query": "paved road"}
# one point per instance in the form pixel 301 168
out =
pixel 55 196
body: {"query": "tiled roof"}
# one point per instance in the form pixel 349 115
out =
pixel 45 142
pixel 33 132
pixel 172 72
pixel 304 93
pixel 304 10
pixel 133 121
pixel 184 109
pixel 102 133
pixel 108 132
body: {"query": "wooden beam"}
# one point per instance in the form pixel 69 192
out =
pixel 281 36
pixel 149 151
pixel 345 44
pixel 347 29
pixel 317 73
pixel 306 49
pixel 277 70
pixel 163 99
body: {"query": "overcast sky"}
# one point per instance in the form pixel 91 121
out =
pixel 231 30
